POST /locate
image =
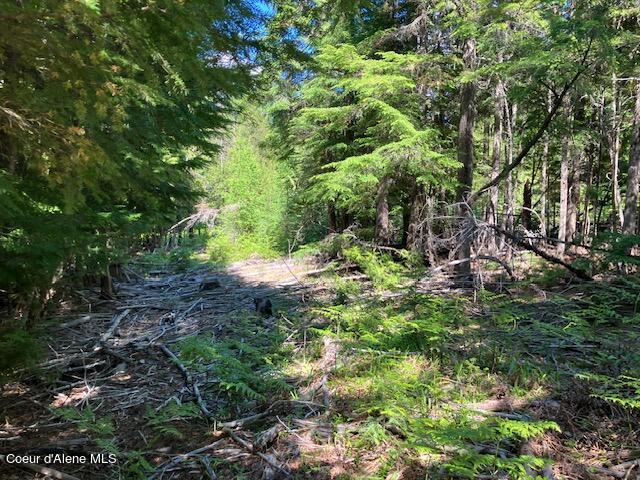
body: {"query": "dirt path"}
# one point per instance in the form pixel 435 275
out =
pixel 111 363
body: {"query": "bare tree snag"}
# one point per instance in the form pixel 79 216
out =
pixel 510 184
pixel 106 285
pixel 418 204
pixel 544 178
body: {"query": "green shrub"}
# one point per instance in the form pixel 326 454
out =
pixel 18 349
pixel 223 248
pixel 380 268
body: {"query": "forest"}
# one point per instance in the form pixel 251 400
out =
pixel 315 239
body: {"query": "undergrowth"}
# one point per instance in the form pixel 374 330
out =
pixel 19 349
pixel 247 364
pixel 401 379
pixel 413 367
pixel 102 428
pixel 179 258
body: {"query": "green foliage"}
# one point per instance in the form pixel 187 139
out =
pixel 102 427
pixel 88 421
pixel 247 368
pixel 470 465
pixel 422 326
pixel 179 258
pixel 618 248
pixel 345 289
pixel 403 379
pixel 248 188
pixel 380 268
pixel 371 434
pixel 371 100
pixel 137 467
pixel 161 420
pixel 18 349
pixel 107 107
pixel 622 390
pixel 461 431
pixel 549 276
pixel 224 249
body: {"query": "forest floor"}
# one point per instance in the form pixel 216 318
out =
pixel 354 376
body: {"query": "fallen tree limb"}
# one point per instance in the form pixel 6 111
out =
pixel 189 382
pixel 180 458
pixel 453 263
pixel 541 253
pixel 115 323
pixel 243 422
pixel 75 323
pixel 176 361
pixel 249 447
pixel 612 470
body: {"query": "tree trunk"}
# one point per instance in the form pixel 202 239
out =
pixel 333 219
pixel 586 219
pixel 383 230
pixel 465 157
pixel 574 195
pixel 527 205
pixel 406 218
pixel 544 178
pixel 630 221
pixel 614 154
pixel 106 285
pixel 564 190
pixel 415 218
pixel 510 184
pixel 494 196
pixel 345 221
pixel 544 185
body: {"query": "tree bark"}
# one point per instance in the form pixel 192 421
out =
pixel 383 230
pixel 630 223
pixel 494 197
pixel 333 219
pixel 564 193
pixel 527 205
pixel 613 138
pixel 573 203
pixel 106 285
pixel 586 219
pixel 510 184
pixel 415 218
pixel 544 178
pixel 544 185
pixel 465 157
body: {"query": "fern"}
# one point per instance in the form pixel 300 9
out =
pixel 160 420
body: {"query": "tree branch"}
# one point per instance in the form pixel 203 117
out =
pixel 550 258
